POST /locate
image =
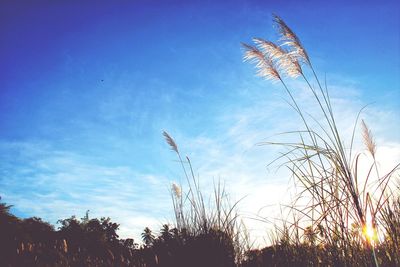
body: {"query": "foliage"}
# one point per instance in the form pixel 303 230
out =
pixel 86 242
pixel 94 242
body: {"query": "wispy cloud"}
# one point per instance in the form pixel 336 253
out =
pixel 43 180
pixel 56 184
pixel 234 156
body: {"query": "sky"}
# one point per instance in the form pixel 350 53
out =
pixel 87 89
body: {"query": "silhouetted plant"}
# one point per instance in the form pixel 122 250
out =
pixel 148 237
pixel 195 219
pixel 332 195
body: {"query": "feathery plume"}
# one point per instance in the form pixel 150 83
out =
pixel 265 66
pixel 291 40
pixel 270 48
pixel 284 60
pixel 170 142
pixel 369 141
pixel 176 190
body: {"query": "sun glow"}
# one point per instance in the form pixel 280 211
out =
pixel 369 231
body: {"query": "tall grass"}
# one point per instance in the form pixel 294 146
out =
pixel 338 209
pixel 197 216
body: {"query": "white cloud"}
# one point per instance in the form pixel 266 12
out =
pixel 61 184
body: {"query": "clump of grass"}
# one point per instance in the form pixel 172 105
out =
pixel 336 210
pixel 197 218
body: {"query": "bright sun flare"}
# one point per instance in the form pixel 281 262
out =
pixel 369 230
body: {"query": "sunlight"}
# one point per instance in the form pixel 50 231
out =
pixel 369 231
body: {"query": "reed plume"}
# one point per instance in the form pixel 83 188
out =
pixel 284 60
pixel 264 64
pixel 170 142
pixel 290 39
pixel 368 139
pixel 176 190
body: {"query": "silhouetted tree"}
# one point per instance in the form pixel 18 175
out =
pixel 166 233
pixel 147 237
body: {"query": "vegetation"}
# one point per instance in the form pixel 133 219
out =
pixel 340 217
pixel 94 242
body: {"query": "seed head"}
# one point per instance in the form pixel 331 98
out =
pixel 176 190
pixel 264 64
pixel 368 139
pixel 290 39
pixel 170 142
pixel 283 59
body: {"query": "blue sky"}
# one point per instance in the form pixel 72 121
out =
pixel 87 89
